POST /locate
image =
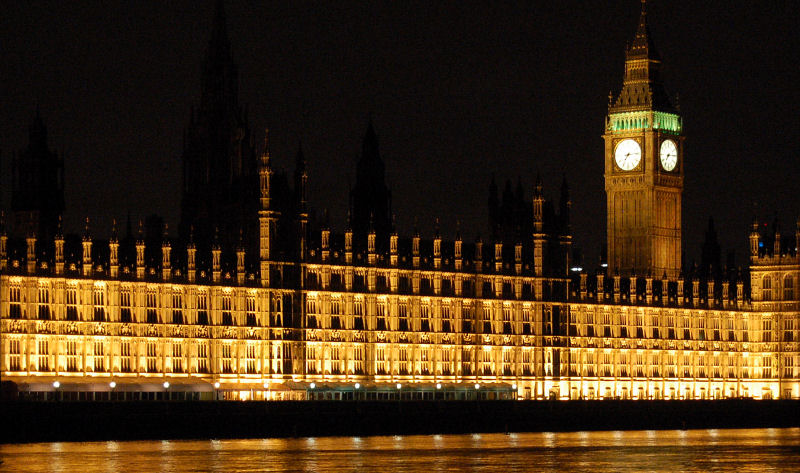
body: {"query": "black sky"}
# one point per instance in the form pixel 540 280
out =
pixel 457 91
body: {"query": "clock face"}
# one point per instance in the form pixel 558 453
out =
pixel 668 155
pixel 628 154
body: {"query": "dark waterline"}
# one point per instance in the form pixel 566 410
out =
pixel 670 450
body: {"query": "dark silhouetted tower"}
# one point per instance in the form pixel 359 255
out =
pixel 37 196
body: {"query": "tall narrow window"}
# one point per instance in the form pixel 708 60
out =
pixel 202 358
pixel 152 364
pixel 227 315
pixel 99 357
pixel 177 357
pixel 447 322
pixel 507 328
pixel 72 303
pixel 381 315
pixel 311 313
pixel 424 318
pixel 276 312
pixel 227 361
pixel 766 327
pixel 358 359
pixel 15 302
pixel 98 298
pixel 487 318
pixel 14 355
pixel 766 288
pixel 250 359
pixel 125 357
pixel 467 317
pixel 44 355
pixel 44 303
pixel 125 306
pixel 152 307
pixel 202 308
pixel 250 306
pixel 788 288
pixel 358 314
pixel 336 312
pixel 177 307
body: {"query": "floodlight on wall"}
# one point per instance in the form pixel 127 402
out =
pixel 112 384
pixel 166 384
pixel 56 384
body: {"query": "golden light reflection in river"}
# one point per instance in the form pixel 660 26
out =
pixel 763 450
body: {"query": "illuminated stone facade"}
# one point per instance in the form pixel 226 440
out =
pixel 367 314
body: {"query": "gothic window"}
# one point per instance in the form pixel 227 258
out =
pixel 508 362
pixel 606 324
pixel 202 358
pixel 98 298
pixel 467 316
pixel 177 357
pixel 311 358
pixel 358 357
pixel 72 303
pixel 99 364
pixel 336 313
pixel 202 308
pixel 766 327
pixel 125 306
pixel 44 303
pixel 466 361
pixel 380 360
pixel 152 307
pixel 766 288
pixel 358 314
pixel 507 327
pixel 276 312
pixel 526 321
pixel 15 355
pixel 250 359
pixel 402 316
pixel 72 355
pixel 311 313
pixel 486 317
pixel 336 361
pixel 177 307
pixel 250 306
pixel 381 315
pixel 447 324
pixel 589 324
pixel 788 288
pixel 125 356
pixel 788 327
pixel 444 362
pixel 152 361
pixel 424 317
pixel 227 361
pixel 43 355
pixel 15 299
pixel 227 315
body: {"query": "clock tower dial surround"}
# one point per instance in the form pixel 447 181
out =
pixel 644 191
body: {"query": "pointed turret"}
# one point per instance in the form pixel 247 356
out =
pixel 642 88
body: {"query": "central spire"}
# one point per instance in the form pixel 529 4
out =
pixel 642 88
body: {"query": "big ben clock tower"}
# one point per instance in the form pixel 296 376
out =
pixel 643 168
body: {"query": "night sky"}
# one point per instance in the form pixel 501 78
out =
pixel 457 91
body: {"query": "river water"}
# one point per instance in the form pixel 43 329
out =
pixel 761 450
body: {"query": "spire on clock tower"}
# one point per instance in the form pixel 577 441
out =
pixel 642 88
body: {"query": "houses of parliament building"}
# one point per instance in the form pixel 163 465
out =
pixel 253 299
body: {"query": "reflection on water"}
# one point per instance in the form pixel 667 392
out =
pixel 694 450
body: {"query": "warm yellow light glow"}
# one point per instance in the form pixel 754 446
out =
pixel 216 385
pixel 56 384
pixel 112 384
pixel 166 384
pixel 399 386
pixel 438 385
pixel 358 385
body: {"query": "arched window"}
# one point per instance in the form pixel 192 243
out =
pixel 766 288
pixel 788 288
